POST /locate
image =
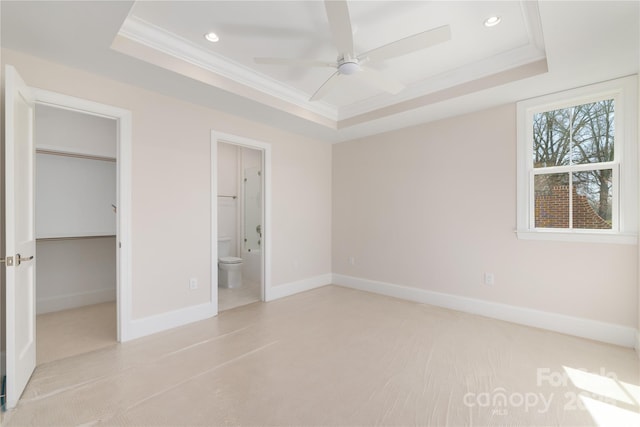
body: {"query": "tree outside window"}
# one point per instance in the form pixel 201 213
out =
pixel 573 166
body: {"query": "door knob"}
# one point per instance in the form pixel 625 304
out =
pixel 20 259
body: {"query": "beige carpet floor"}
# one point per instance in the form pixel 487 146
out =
pixel 340 357
pixel 76 331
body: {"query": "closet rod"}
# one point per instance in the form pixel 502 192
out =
pixel 53 239
pixel 233 197
pixel 76 155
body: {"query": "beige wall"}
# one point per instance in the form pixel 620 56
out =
pixel 434 207
pixel 431 207
pixel 75 272
pixel 172 195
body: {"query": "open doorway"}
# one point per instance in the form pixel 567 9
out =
pixel 241 200
pixel 240 225
pixel 76 232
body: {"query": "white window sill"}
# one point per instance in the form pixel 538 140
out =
pixel 579 236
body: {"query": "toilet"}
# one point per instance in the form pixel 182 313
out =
pixel 229 267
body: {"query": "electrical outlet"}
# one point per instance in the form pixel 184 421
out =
pixel 352 260
pixel 193 283
pixel 489 279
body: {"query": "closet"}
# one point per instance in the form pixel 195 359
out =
pixel 75 209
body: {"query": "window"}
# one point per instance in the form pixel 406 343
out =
pixel 577 164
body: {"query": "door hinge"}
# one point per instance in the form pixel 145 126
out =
pixel 8 260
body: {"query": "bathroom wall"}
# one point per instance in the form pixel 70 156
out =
pixel 252 265
pixel 228 208
pixel 251 158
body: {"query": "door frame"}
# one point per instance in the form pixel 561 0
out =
pixel 266 209
pixel 123 119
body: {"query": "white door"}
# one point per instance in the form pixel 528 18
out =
pixel 20 236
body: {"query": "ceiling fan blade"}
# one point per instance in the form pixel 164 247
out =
pixel 340 23
pixel 295 62
pixel 326 86
pixel 377 79
pixel 409 44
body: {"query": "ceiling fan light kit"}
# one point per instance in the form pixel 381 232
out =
pixel 349 64
pixel 349 67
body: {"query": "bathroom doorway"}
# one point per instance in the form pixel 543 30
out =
pixel 240 226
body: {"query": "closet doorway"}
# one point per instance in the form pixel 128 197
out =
pixel 76 232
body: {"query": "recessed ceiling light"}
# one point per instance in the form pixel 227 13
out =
pixel 212 37
pixel 492 21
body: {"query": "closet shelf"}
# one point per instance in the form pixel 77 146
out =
pixel 76 155
pixel 51 239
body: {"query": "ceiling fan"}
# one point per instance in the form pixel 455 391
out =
pixel 348 63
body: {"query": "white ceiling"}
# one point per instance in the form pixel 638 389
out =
pixel 539 47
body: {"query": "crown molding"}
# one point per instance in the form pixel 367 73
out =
pixel 475 71
pixel 528 53
pixel 154 37
pixel 161 40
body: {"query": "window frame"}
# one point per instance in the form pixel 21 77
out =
pixel 624 229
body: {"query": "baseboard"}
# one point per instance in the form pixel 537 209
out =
pixel 292 288
pixel 161 322
pixel 585 328
pixel 79 299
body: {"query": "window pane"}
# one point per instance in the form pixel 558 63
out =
pixel 551 192
pixel 551 138
pixel 592 199
pixel 593 132
pixel 574 135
